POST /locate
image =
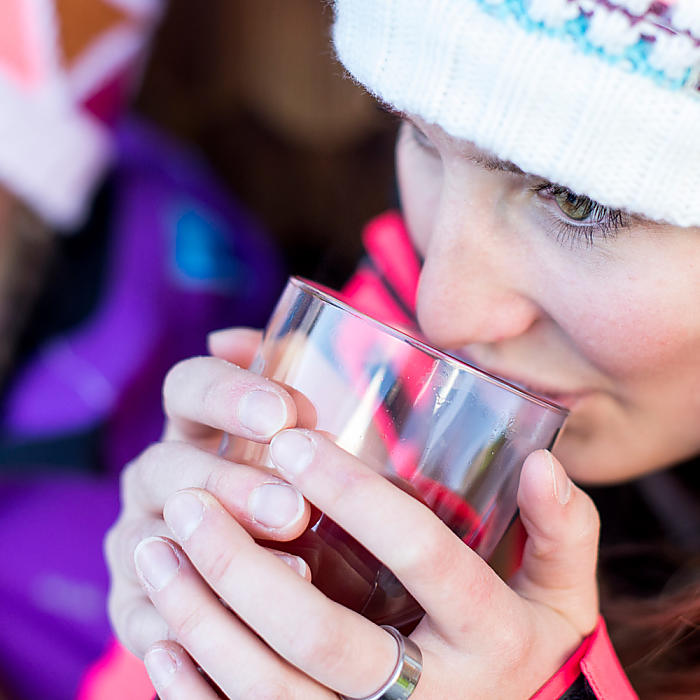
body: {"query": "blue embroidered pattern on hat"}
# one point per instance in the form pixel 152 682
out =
pixel 658 39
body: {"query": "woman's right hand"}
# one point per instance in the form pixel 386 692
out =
pixel 236 402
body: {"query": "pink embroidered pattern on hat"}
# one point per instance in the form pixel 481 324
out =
pixel 658 38
pixel 670 27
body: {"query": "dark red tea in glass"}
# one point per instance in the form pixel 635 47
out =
pixel 449 434
pixel 349 574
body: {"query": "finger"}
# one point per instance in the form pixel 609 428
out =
pixel 135 620
pixel 121 540
pixel 138 624
pixel 239 662
pixel 205 395
pixel 237 345
pixel 562 524
pixel 266 506
pixel 325 640
pixel 133 617
pixel 294 562
pixel 174 674
pixel 449 580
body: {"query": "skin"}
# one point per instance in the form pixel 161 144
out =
pixel 606 329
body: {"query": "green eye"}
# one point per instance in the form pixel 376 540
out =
pixel 575 206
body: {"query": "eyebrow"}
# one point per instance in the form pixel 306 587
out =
pixel 493 163
pixel 488 162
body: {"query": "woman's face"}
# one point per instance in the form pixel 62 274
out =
pixel 597 310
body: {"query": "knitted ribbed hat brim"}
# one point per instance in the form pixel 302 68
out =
pixel 626 135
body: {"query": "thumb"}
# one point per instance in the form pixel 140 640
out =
pixel 561 550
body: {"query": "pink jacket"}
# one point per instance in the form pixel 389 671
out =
pixel 385 287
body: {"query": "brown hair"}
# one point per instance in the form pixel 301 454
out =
pixel 658 642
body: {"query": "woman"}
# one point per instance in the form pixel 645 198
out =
pixel 512 111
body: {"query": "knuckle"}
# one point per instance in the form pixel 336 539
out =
pixel 131 535
pixel 160 463
pixel 132 477
pixel 109 543
pixel 120 543
pixel 113 612
pixel 217 482
pixel 220 567
pixel 191 626
pixel 324 645
pixel 155 455
pixel 424 555
pixel 514 645
pixel 127 477
pixel 131 623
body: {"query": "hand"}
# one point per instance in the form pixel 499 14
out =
pixel 204 398
pixel 278 636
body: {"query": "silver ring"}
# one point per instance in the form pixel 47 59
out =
pixel 404 677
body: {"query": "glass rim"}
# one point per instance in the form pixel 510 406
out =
pixel 329 296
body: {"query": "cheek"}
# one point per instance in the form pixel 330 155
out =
pixel 624 341
pixel 632 326
pixel 647 414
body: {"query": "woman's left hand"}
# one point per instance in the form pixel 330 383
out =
pixel 277 636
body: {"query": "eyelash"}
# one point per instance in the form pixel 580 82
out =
pixel 603 222
pixel 416 135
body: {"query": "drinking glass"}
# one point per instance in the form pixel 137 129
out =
pixel 447 433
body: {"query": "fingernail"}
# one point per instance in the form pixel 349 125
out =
pixel 291 451
pixel 560 481
pixel 262 412
pixel 276 505
pixel 183 512
pixel 161 666
pixel 293 562
pixel 156 562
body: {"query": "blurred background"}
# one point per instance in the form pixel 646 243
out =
pixel 126 235
pixel 255 87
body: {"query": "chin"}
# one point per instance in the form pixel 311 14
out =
pixel 590 448
pixel 606 456
pixel 585 462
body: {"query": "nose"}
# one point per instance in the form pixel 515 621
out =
pixel 473 286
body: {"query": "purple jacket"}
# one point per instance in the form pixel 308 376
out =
pixel 179 260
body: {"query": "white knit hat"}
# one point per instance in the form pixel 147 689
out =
pixel 600 96
pixel 66 69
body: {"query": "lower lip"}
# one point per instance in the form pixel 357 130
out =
pixel 566 400
pixel 569 401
